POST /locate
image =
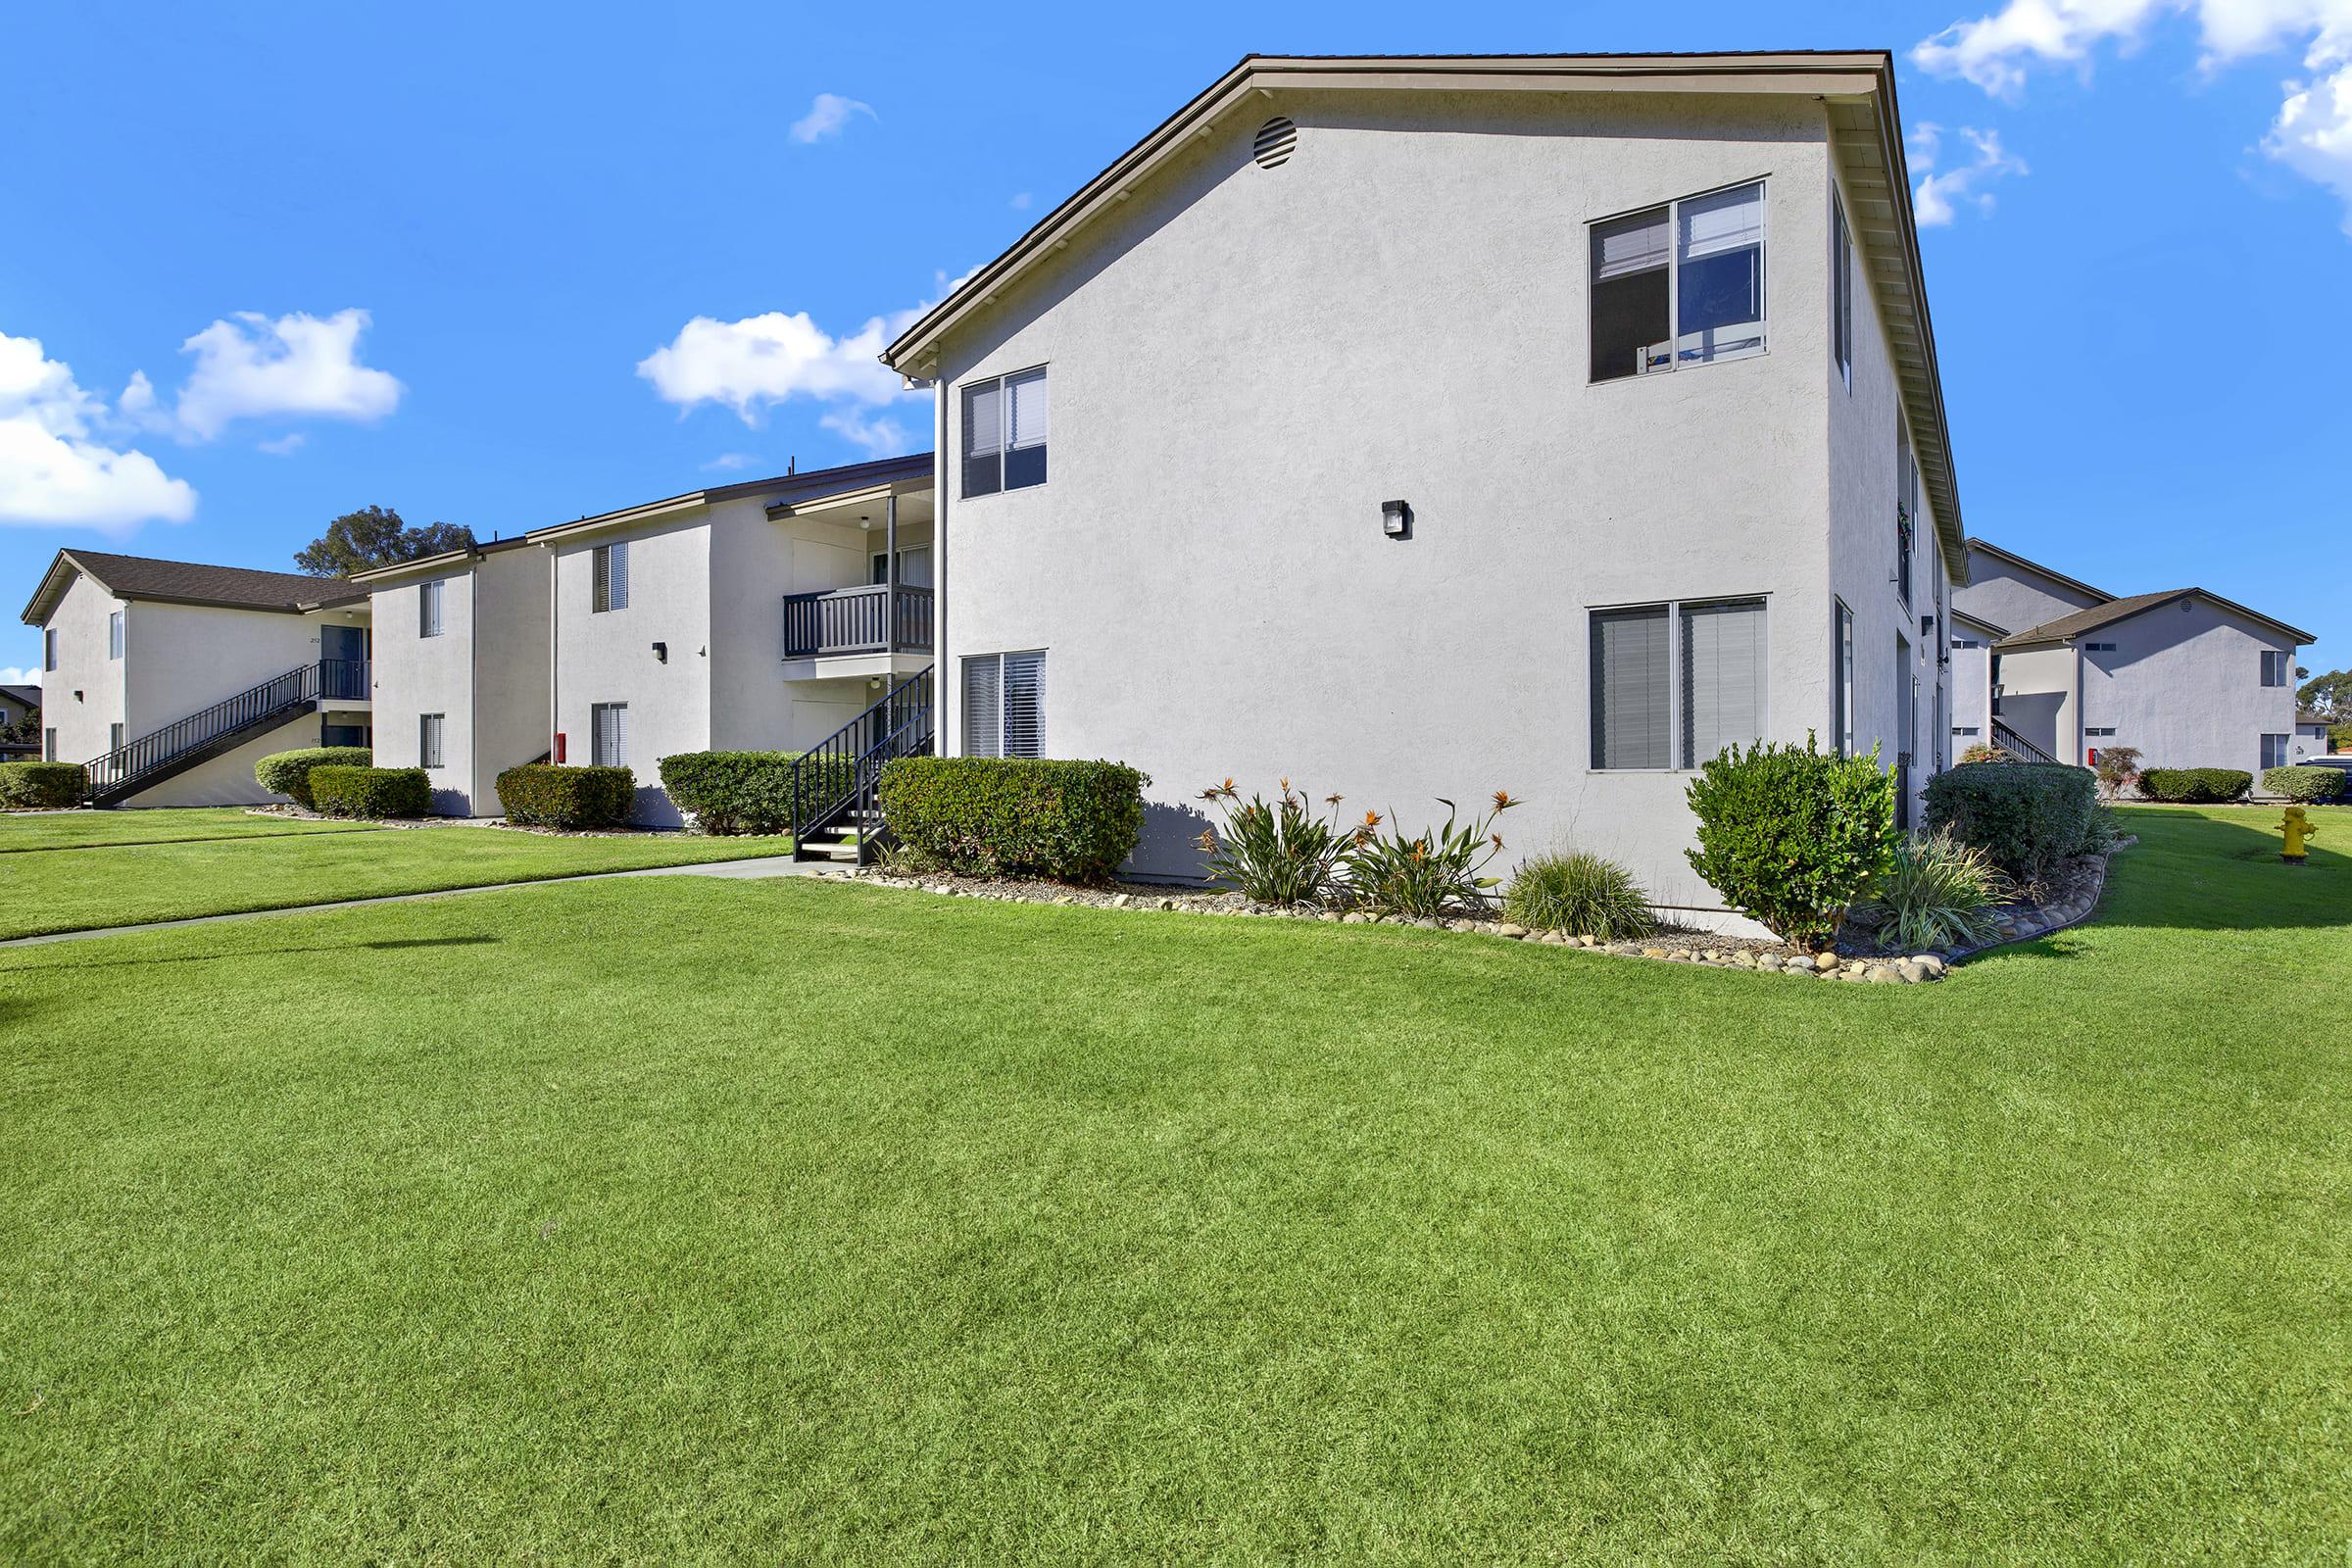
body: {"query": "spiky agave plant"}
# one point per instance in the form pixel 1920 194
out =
pixel 1936 892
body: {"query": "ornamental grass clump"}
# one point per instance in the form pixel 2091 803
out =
pixel 1432 873
pixel 1279 854
pixel 1582 893
pixel 1936 892
pixel 1792 835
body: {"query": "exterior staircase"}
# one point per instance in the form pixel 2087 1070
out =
pixel 836 795
pixel 209 732
pixel 2017 746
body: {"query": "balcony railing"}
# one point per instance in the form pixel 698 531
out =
pixel 344 679
pixel 857 620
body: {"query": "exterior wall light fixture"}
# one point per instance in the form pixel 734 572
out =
pixel 1397 519
pixel 661 653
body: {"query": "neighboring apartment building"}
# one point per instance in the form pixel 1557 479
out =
pixel 19 707
pixel 757 617
pixel 168 679
pixel 2186 677
pixel 1427 426
pixel 2313 736
pixel 460 686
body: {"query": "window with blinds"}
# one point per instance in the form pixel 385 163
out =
pixel 1004 705
pixel 612 574
pixel 1678 284
pixel 1005 419
pixel 609 734
pixel 1723 678
pixel 1631 688
pixel 2274 667
pixel 428 740
pixel 428 610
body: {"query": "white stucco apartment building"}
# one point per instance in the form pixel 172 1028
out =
pixel 757 617
pixel 2183 676
pixel 1425 427
pixel 168 679
pixel 461 676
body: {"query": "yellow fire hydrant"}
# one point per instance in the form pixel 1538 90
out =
pixel 2297 827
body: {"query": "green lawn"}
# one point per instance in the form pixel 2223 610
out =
pixel 76 888
pixel 792 1221
pixel 66 830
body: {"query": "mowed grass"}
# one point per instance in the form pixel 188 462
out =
pixel 794 1221
pixel 77 889
pixel 63 830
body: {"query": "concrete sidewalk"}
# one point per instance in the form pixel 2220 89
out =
pixel 766 866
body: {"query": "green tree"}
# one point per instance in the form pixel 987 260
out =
pixel 374 536
pixel 2329 696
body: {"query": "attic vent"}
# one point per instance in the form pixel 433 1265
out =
pixel 1276 140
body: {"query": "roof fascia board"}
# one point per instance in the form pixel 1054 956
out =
pixel 835 500
pixel 627 516
pixel 439 563
pixel 2040 570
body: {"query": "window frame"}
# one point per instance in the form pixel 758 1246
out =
pixel 431 740
pixel 1674 610
pixel 49 744
pixel 1841 674
pixel 48 649
pixel 117 736
pixel 114 634
pixel 2285 751
pixel 1841 288
pixel 1004 687
pixel 2273 659
pixel 1040 372
pixel 596 733
pixel 602 599
pixel 1674 278
pixel 431 601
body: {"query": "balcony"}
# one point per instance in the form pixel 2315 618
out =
pixel 851 621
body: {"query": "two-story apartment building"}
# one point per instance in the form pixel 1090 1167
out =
pixel 755 616
pixel 168 679
pixel 1427 427
pixel 461 675
pixel 2059 668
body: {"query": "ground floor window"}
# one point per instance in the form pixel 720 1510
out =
pixel 1003 705
pixel 344 735
pixel 1965 731
pixel 428 740
pixel 1676 680
pixel 609 734
pixel 2099 733
pixel 1842 720
pixel 114 737
pixel 48 746
pixel 2273 750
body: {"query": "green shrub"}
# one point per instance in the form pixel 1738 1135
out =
pixel 1982 752
pixel 1792 835
pixel 1584 894
pixel 1279 854
pixel 2026 817
pixel 2194 786
pixel 41 786
pixel 288 773
pixel 747 792
pixel 1432 873
pixel 1017 816
pixel 1936 892
pixel 560 794
pixel 2305 783
pixel 341 790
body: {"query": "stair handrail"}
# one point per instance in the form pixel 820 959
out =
pixel 2015 745
pixel 842 771
pixel 135 759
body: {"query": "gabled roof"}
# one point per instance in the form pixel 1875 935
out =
pixel 2100 617
pixel 1987 547
pixel 27 696
pixel 2303 716
pixel 1866 129
pixel 375 576
pixel 188 582
pixel 1980 623
pixel 782 487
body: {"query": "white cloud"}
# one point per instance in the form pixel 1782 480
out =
pixel 1021 201
pixel 827 116
pixel 285 445
pixel 1939 196
pixel 729 463
pixel 253 367
pixel 56 466
pixel 2312 134
pixel 751 365
pixel 11 676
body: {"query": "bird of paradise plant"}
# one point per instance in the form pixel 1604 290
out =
pixel 1432 873
pixel 1279 854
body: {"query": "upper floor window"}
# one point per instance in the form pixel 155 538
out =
pixel 1841 291
pixel 2098 648
pixel 612 574
pixel 1005 420
pixel 428 610
pixel 49 647
pixel 1906 511
pixel 1679 284
pixel 114 635
pixel 2274 667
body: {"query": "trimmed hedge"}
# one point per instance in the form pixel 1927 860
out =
pixel 557 795
pixel 341 790
pixel 2194 786
pixel 1017 816
pixel 1792 835
pixel 41 786
pixel 747 792
pixel 2306 783
pixel 2026 817
pixel 288 773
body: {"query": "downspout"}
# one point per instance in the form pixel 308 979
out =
pixel 473 686
pixel 554 648
pixel 940 705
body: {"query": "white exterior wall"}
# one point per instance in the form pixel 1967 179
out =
pixel 83 667
pixel 608 657
pixel 2014 599
pixel 181 657
pixel 485 674
pixel 1253 360
pixel 510 643
pixel 755 563
pixel 2184 686
pixel 1971 694
pixel 2311 740
pixel 2041 700
pixel 227 779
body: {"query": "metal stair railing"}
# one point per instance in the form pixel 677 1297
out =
pixel 2015 745
pixel 840 776
pixel 151 753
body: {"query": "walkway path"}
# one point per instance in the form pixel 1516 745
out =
pixel 766 866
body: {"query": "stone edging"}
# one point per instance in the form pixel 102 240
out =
pixel 2087 880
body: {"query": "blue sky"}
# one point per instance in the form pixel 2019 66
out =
pixel 502 269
